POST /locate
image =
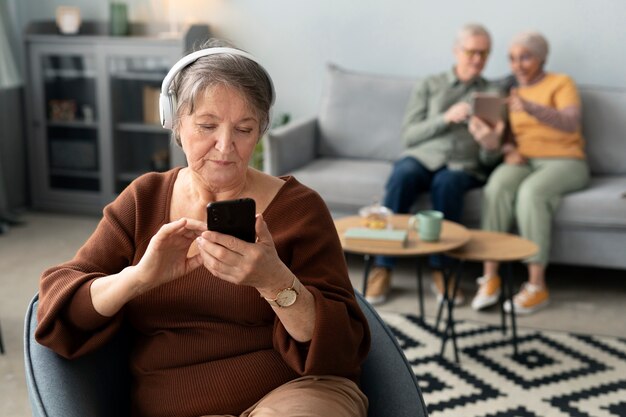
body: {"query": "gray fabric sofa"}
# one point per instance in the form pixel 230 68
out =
pixel 346 153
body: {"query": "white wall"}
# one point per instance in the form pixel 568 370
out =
pixel 295 39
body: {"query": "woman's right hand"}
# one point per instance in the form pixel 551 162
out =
pixel 166 258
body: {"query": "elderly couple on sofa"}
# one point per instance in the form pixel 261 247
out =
pixel 448 152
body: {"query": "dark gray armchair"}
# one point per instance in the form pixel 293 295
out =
pixel 98 385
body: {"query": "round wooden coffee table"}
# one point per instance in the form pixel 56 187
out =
pixel 489 246
pixel 453 235
pixel 494 246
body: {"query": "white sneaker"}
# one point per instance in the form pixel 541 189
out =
pixel 488 292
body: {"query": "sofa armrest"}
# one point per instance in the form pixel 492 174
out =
pixel 289 147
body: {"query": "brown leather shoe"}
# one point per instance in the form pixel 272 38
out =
pixel 437 288
pixel 378 283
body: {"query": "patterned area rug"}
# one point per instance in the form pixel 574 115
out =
pixel 556 374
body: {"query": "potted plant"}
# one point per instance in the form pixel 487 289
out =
pixel 257 156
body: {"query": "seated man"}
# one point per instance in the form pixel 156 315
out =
pixel 441 155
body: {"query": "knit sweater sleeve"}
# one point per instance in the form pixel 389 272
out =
pixel 309 245
pixel 68 322
pixel 562 110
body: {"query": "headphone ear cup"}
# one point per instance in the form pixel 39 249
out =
pixel 166 110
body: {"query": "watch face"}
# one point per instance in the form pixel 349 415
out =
pixel 286 297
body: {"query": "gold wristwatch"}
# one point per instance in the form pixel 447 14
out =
pixel 287 296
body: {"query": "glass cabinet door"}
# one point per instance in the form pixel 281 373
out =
pixel 71 113
pixel 140 143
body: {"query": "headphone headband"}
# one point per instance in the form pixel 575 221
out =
pixel 166 99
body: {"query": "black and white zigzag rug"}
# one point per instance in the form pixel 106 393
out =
pixel 555 374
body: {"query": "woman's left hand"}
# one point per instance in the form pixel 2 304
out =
pixel 240 262
pixel 258 265
pixel 513 157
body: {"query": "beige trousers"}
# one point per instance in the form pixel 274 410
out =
pixel 311 396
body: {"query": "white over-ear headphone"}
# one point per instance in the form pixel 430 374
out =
pixel 167 100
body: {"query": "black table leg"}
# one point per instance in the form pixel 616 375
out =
pixel 441 305
pixel 456 282
pixel 513 324
pixel 448 274
pixel 504 291
pixel 368 265
pixel 1 343
pixel 444 302
pixel 446 328
pixel 440 311
pixel 420 288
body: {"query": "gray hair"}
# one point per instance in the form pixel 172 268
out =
pixel 471 29
pixel 228 70
pixel 535 42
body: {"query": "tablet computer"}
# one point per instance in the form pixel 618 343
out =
pixel 488 107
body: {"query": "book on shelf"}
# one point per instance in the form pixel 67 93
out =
pixel 387 238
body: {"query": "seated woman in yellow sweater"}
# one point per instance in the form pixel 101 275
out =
pixel 544 161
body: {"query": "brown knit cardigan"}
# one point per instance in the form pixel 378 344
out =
pixel 202 345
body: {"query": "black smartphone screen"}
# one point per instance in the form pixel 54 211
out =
pixel 233 217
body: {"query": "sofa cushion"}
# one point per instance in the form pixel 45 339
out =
pixel 601 204
pixel 361 115
pixel 346 184
pixel 604 129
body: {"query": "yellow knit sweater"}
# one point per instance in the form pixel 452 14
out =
pixel 538 140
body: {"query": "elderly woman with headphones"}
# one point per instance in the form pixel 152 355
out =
pixel 544 161
pixel 221 326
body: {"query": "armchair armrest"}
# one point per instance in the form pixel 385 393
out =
pixel 387 377
pixel 289 147
pixel 95 385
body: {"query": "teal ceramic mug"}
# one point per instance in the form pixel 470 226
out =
pixel 428 224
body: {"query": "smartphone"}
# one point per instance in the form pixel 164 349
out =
pixel 233 217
